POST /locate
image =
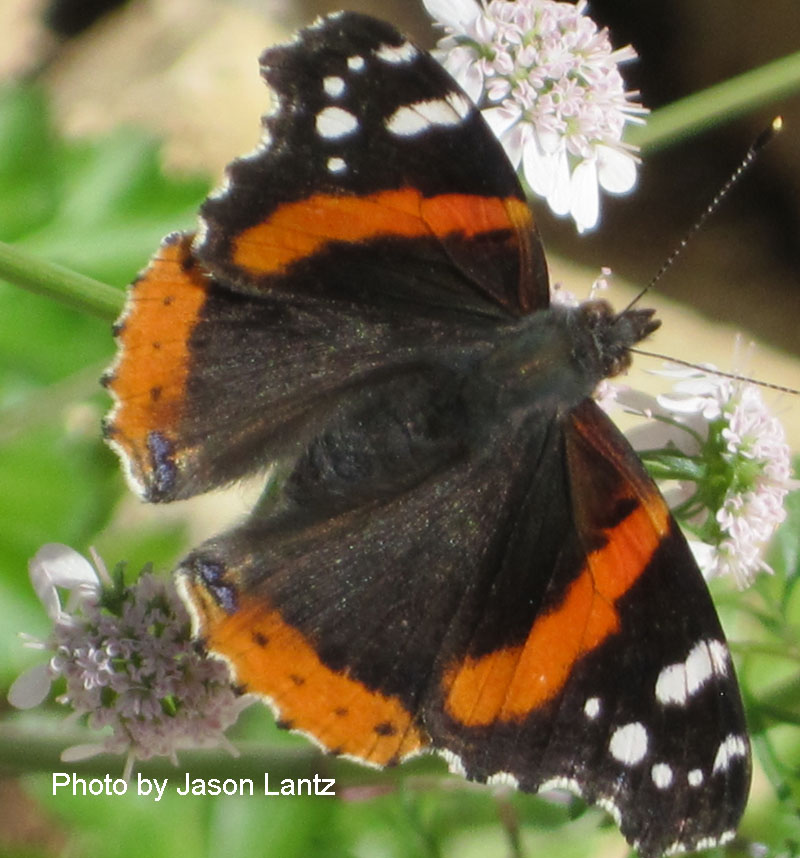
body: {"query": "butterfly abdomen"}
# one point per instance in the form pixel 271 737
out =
pixel 386 439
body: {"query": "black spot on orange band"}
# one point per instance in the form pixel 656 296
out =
pixel 340 712
pixel 149 378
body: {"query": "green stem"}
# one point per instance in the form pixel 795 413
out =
pixel 53 281
pixel 722 101
pixel 36 407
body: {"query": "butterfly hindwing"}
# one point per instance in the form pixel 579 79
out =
pixel 378 590
pixel 212 384
pixel 538 631
pixel 623 690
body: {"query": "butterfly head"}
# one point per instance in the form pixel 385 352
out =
pixel 614 334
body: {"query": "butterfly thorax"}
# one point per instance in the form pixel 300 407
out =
pixel 556 357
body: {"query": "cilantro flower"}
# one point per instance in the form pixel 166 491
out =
pixel 716 438
pixel 128 661
pixel 549 86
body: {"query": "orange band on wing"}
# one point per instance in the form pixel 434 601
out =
pixel 295 231
pixel 150 376
pixel 274 659
pixel 508 684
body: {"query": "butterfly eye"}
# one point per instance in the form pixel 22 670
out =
pixel 596 313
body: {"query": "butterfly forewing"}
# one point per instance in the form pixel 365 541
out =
pixel 371 182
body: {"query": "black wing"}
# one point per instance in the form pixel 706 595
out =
pixel 378 229
pixel 529 609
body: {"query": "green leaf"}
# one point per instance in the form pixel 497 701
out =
pixel 100 207
pixel 785 550
pixel 670 465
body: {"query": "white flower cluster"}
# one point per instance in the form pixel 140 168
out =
pixel 751 443
pixel 555 96
pixel 739 452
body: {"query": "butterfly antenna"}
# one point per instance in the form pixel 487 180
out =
pixel 763 138
pixel 734 376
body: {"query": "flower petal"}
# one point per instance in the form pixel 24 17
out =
pixel 549 62
pixel 705 556
pixel 460 63
pixel 537 166
pixel 585 204
pixel 29 689
pixel 501 119
pixel 616 170
pixel 64 566
pixel 56 565
pixel 560 198
pixel 458 14
pixel 75 753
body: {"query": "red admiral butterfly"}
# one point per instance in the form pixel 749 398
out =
pixel 465 554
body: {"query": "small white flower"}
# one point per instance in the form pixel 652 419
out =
pixel 57 566
pixel 128 661
pixel 54 567
pixel 733 466
pixel 549 86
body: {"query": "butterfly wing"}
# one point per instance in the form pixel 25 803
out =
pixel 371 181
pixel 531 611
pixel 370 593
pixel 618 684
pixel 363 238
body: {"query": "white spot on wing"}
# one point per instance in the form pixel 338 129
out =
pixel 355 63
pixel 730 748
pixel 678 682
pixel 201 233
pixel 719 657
pixel 333 85
pixel 333 123
pixel 275 106
pixel 396 54
pixel 698 668
pixel 695 777
pixel 336 165
pixel 592 708
pixel 460 103
pixel 661 775
pixel 629 743
pixel 411 119
pixel 700 844
pixel 671 685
